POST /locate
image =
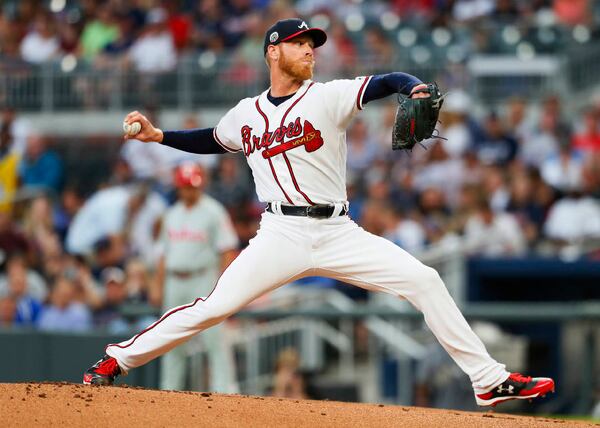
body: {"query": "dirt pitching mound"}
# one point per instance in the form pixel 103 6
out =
pixel 64 404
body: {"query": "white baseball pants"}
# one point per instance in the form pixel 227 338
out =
pixel 173 373
pixel 287 248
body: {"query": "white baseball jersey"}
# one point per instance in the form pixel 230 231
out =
pixel 297 150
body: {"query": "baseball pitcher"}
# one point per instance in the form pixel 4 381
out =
pixel 293 136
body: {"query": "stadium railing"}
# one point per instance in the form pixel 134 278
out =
pixel 210 80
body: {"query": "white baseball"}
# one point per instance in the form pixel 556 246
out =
pixel 132 129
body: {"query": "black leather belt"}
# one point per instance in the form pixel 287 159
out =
pixel 314 211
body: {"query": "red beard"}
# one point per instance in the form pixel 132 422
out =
pixel 299 70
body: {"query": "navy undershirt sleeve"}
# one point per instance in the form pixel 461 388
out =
pixel 382 85
pixel 201 141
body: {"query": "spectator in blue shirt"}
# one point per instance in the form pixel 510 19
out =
pixel 64 313
pixel 40 166
pixel 28 307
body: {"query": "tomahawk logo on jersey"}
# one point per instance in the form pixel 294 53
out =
pixel 297 150
pixel 301 135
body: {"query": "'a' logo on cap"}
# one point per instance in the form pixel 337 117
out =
pixel 303 25
pixel 273 37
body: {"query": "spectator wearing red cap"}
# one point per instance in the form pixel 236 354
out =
pixel 198 241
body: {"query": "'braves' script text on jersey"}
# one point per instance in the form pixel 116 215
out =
pixel 297 150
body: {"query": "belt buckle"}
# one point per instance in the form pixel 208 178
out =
pixel 313 211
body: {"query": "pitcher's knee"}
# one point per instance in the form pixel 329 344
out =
pixel 215 312
pixel 428 278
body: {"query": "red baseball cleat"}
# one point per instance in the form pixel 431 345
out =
pixel 103 372
pixel 516 387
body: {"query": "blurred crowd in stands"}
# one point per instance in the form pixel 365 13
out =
pixel 150 35
pixel 523 179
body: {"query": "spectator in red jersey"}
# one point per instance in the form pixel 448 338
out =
pixel 179 24
pixel 588 140
pixel 68 35
pixel 572 12
pixel 12 239
pixel 411 8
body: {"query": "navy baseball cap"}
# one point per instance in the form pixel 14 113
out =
pixel 287 29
